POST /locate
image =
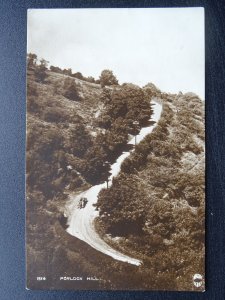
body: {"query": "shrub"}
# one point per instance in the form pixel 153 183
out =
pixel 70 90
pixel 53 114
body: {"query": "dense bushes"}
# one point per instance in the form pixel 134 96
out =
pixel 124 105
pixel 127 102
pixel 80 140
pixel 163 196
pixel 95 170
pixel 120 207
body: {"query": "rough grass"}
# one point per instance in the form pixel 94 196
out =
pixel 50 97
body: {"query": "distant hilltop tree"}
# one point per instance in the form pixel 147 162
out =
pixel 40 71
pixel 108 78
pixel 78 75
pixel 56 69
pixel 31 60
pixel 67 72
pixel 90 79
pixel 152 86
pixel 152 90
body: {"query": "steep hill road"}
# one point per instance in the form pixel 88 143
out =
pixel 81 220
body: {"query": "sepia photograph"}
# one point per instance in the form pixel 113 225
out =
pixel 115 149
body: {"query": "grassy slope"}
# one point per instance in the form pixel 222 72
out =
pixel 51 95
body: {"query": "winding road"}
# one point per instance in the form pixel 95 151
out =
pixel 81 220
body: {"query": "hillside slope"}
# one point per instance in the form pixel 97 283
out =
pixel 156 205
pixel 154 209
pixel 75 130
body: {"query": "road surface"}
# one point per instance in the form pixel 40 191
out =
pixel 81 220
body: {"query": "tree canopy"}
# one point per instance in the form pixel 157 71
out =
pixel 107 78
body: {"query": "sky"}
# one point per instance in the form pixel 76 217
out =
pixel 164 46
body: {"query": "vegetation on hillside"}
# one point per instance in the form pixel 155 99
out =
pixel 155 207
pixel 67 149
pixel 156 204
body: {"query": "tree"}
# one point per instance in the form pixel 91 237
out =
pixel 80 140
pixel 117 136
pixel 40 71
pixel 90 79
pixel 67 72
pixel 107 78
pixel 78 75
pixel 151 90
pixel 31 60
pixel 56 69
pixel 42 163
pixel 95 167
pixel 122 203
